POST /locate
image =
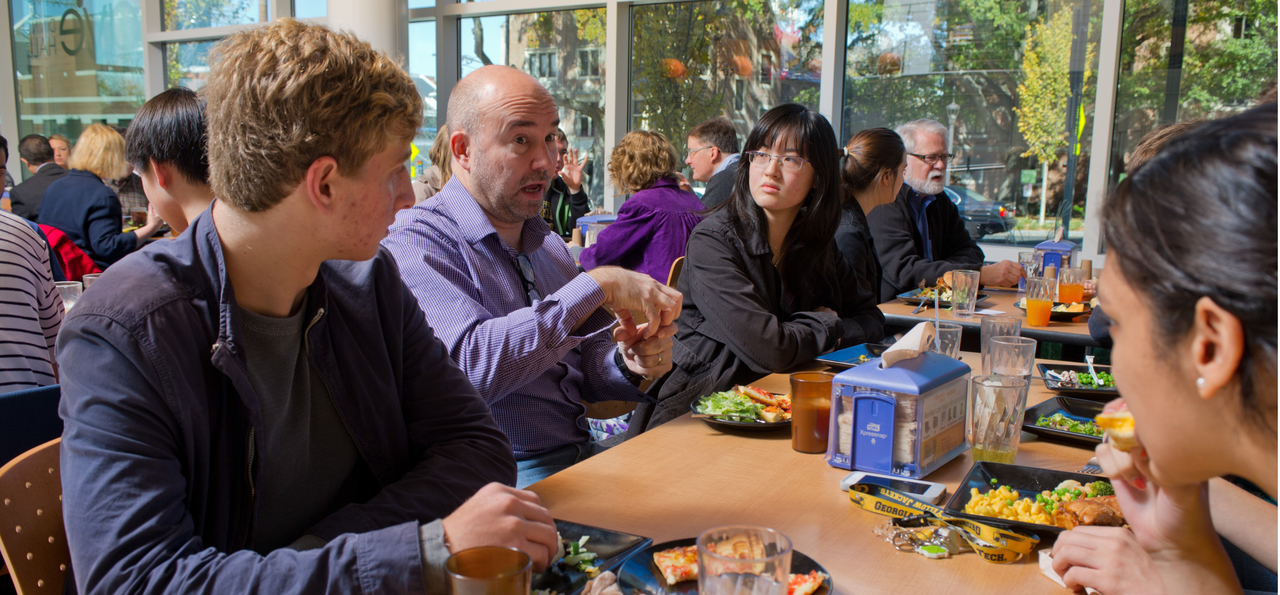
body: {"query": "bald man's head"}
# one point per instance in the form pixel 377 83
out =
pixel 479 91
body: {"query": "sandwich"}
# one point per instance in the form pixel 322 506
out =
pixel 1119 428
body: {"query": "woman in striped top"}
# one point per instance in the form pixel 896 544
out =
pixel 30 308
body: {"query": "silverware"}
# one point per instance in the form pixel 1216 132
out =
pixel 1091 467
pixel 919 306
pixel 1088 359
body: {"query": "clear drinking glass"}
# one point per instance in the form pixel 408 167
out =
pixel 490 570
pixel 810 411
pixel 1039 300
pixel 70 292
pixel 947 339
pixel 1008 356
pixel 997 326
pixel 1071 285
pixel 743 560
pixel 999 404
pixel 964 293
pixel 1030 261
pixel 90 278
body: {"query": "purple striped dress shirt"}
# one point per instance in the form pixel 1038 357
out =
pixel 528 362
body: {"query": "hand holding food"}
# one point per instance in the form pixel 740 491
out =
pixel 1119 428
pixel 504 516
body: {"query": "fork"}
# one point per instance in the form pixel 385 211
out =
pixel 923 304
pixel 1091 467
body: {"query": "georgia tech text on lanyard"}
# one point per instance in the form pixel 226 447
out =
pixel 992 543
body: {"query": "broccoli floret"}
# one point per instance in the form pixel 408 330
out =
pixel 1101 488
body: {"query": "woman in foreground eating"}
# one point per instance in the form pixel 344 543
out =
pixel 764 287
pixel 1190 284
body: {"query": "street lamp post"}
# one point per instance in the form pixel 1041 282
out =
pixel 952 111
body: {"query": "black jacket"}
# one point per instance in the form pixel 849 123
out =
pixel 563 208
pixel 719 187
pixel 902 249
pixel 853 239
pixel 26 196
pixel 736 327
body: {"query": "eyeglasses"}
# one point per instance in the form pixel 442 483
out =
pixel 790 164
pixel 932 159
pixel 525 269
pixel 696 150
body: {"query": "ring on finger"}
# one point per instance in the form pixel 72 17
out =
pixel 659 359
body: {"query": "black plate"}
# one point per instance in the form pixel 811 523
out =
pixel 640 576
pixel 1109 393
pixel 913 297
pixel 1059 316
pixel 1029 481
pixel 848 357
pixel 612 547
pixel 1077 409
pixel 742 426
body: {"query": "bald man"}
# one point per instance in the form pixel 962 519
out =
pixel 502 292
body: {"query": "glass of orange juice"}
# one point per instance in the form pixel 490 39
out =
pixel 1039 300
pixel 1071 285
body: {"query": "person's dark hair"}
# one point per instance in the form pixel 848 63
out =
pixel 35 149
pixel 718 133
pixel 170 128
pixel 561 137
pixel 808 252
pixel 1199 220
pixel 868 154
pixel 4 146
pixel 1155 141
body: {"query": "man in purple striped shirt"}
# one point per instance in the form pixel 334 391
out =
pixel 502 292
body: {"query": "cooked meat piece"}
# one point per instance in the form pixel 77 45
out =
pixel 1102 511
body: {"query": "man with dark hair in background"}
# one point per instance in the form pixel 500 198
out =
pixel 713 157
pixel 566 198
pixel 129 188
pixel 166 147
pixel 37 156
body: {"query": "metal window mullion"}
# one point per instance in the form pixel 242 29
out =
pixel 617 87
pixel 184 35
pixel 831 91
pixel 448 58
pixel 1103 122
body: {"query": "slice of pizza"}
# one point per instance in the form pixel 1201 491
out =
pixel 806 584
pixel 678 563
pixel 762 397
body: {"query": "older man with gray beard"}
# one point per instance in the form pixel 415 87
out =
pixel 920 235
pixel 500 289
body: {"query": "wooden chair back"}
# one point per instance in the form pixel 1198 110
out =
pixel 32 538
pixel 674 275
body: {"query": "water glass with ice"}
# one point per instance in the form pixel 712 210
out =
pixel 743 560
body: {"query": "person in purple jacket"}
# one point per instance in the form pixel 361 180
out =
pixel 653 226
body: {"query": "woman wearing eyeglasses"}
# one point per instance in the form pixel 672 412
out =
pixel 764 287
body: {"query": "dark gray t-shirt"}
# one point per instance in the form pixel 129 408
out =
pixel 308 457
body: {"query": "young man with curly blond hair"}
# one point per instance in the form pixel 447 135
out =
pixel 259 405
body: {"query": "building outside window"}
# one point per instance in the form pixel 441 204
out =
pixel 74 66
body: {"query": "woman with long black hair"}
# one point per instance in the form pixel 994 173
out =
pixel 765 288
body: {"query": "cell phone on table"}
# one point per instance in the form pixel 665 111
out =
pixel 926 491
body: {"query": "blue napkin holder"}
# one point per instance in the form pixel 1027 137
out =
pixel 1058 254
pixel 583 222
pixel 906 420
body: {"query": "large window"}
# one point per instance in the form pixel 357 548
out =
pixel 565 51
pixel 1189 59
pixel 693 61
pixel 422 68
pixel 75 66
pixel 1014 82
pixel 193 14
pixel 187 64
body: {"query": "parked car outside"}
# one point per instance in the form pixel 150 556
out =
pixel 982 216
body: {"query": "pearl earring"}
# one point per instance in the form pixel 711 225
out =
pixel 1200 382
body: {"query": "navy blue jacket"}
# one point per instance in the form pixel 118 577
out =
pixel 162 445
pixel 89 212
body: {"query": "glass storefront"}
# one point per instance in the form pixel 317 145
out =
pixel 1014 83
pixel 194 14
pixel 75 65
pixel 186 64
pixel 564 50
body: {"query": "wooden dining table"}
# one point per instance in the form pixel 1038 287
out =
pixel 684 477
pixel 1075 332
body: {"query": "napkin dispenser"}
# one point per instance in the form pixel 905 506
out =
pixel 1060 254
pixel 584 224
pixel 906 420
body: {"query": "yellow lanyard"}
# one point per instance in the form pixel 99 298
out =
pixel 992 543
